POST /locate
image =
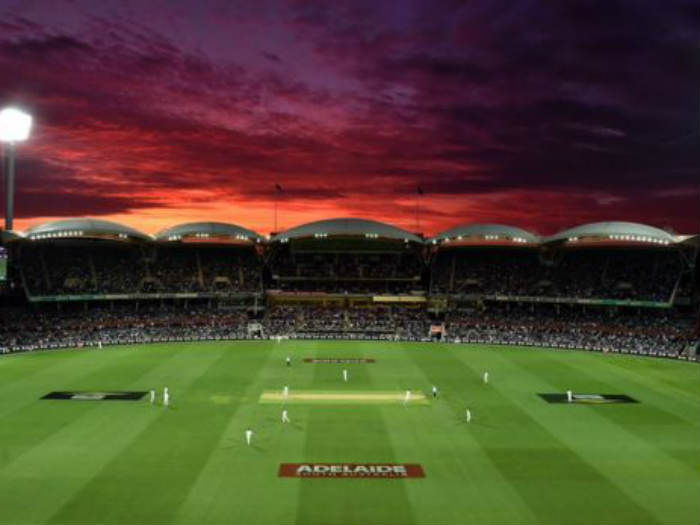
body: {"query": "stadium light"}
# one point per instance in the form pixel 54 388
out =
pixel 14 127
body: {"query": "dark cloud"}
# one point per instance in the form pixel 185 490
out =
pixel 50 203
pixel 292 193
pixel 272 57
pixel 40 48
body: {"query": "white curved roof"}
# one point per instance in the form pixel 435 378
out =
pixel 615 231
pixel 487 231
pixel 347 227
pixel 207 229
pixel 77 228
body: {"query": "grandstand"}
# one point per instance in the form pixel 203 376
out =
pixel 610 286
pixel 84 259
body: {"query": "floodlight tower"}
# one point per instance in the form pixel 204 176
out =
pixel 14 127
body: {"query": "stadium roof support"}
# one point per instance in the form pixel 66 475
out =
pixel 689 240
pixel 615 232
pixel 349 227
pixel 7 236
pixel 83 228
pixel 487 232
pixel 207 230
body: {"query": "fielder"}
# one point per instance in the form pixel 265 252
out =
pixel 345 375
pixel 486 378
pixel 152 396
pixel 248 436
pixel 99 345
pixel 289 361
pixel 435 392
pixel 469 416
pixel 285 416
pixel 285 392
pixel 407 398
pixel 166 397
pixel 569 396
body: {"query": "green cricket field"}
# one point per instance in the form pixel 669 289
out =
pixel 80 457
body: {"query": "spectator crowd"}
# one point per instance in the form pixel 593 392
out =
pixel 75 268
pixel 409 323
pixel 643 274
pixel 27 329
pixel 642 331
pixel 594 329
pixel 133 269
pixel 354 272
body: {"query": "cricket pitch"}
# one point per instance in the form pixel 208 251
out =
pixel 344 397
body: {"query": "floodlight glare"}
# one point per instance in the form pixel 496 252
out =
pixel 14 125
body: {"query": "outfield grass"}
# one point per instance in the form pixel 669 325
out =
pixel 520 460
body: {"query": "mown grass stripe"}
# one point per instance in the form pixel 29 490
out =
pixel 156 463
pixel 536 462
pixel 670 433
pixel 600 433
pixel 63 463
pixel 20 367
pixel 226 489
pixel 55 371
pixel 674 394
pixel 41 419
pixel 462 485
pixel 359 436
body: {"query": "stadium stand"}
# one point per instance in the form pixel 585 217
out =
pixel 70 257
pixel 386 322
pixel 24 329
pixel 603 286
pixel 347 256
pixel 640 332
pixel 602 273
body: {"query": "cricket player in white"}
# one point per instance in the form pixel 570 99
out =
pixel 407 398
pixel 434 392
pixel 248 436
pixel 469 416
pixel 166 397
pixel 486 378
pixel 99 345
pixel 285 416
pixel 289 361
pixel 345 375
pixel 285 393
pixel 569 396
pixel 152 396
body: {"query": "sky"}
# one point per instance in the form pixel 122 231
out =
pixel 542 115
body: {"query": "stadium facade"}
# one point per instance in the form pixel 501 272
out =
pixel 634 286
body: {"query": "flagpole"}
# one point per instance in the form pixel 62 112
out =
pixel 419 194
pixel 419 203
pixel 417 211
pixel 278 190
pixel 276 197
